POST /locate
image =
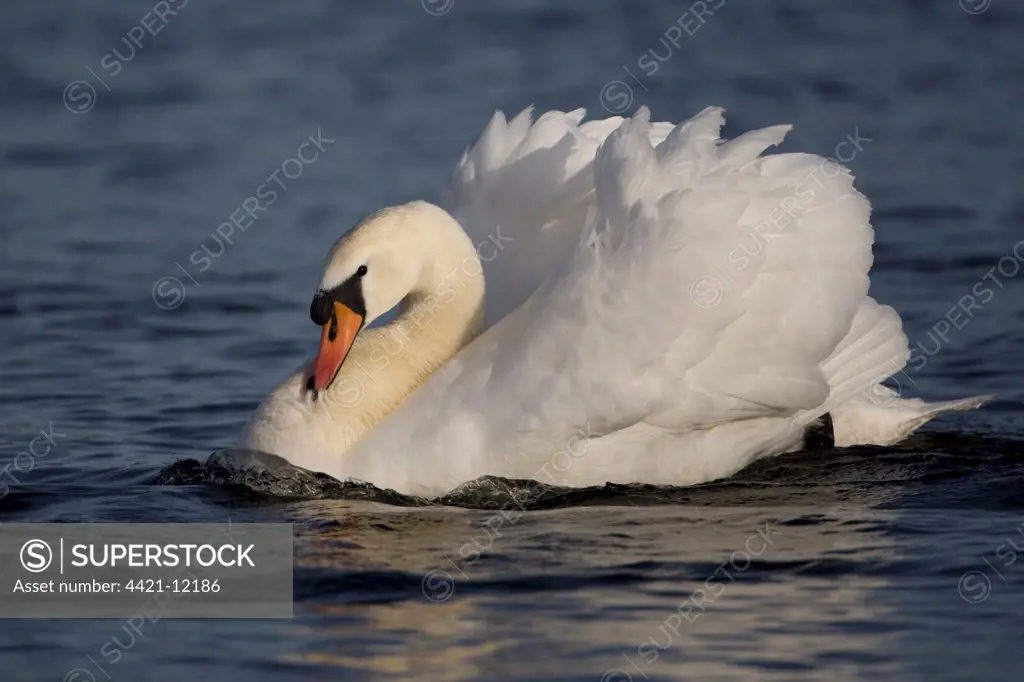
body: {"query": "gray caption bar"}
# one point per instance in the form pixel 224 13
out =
pixel 151 570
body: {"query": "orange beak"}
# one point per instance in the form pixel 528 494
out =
pixel 338 335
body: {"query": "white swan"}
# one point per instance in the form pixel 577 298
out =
pixel 660 307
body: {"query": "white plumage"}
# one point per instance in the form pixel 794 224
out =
pixel 660 307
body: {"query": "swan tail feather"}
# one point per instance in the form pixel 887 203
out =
pixel 866 422
pixel 864 410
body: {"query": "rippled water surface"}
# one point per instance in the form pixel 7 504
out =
pixel 139 338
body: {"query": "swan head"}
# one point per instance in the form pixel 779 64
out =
pixel 374 267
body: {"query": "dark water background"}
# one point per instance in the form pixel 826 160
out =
pixel 882 564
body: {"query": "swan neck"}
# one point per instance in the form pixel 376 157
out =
pixel 441 314
pixel 444 312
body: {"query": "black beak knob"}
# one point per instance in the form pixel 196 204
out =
pixel 321 309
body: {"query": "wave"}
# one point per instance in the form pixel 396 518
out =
pixel 930 470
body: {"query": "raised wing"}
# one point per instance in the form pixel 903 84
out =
pixel 523 192
pixel 705 284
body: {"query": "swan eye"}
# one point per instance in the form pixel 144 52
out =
pixel 362 271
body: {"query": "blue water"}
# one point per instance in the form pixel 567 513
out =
pixel 137 348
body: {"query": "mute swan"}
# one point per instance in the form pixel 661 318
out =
pixel 660 307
